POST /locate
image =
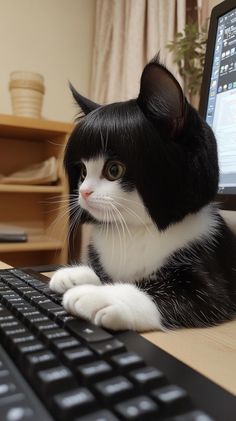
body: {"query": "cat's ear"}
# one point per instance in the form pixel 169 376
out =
pixel 161 99
pixel 85 104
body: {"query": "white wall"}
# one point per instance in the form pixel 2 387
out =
pixel 52 37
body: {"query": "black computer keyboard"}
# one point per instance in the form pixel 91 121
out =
pixel 57 367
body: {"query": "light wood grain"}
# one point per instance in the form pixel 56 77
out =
pixel 34 242
pixel 21 188
pixel 4 265
pixel 210 351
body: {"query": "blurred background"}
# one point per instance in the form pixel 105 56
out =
pixel 101 46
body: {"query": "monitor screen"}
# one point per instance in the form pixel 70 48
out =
pixel 221 101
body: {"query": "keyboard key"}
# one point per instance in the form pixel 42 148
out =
pixel 108 348
pixel 51 334
pixel 127 361
pixel 30 320
pixel 7 389
pixel 77 356
pixel 42 326
pixel 20 338
pixel 24 348
pixel 5 315
pixel 103 415
pixel 86 331
pixel 147 377
pixel 17 411
pixel 54 380
pixel 40 361
pixel 73 402
pixel 172 399
pixel 64 343
pixel 94 371
pixel 138 409
pixel 114 389
pixel 47 306
pixel 192 416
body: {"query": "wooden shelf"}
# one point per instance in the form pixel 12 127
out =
pixel 32 128
pixel 17 188
pixel 34 243
pixel 24 142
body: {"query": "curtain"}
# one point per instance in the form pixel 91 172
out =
pixel 128 33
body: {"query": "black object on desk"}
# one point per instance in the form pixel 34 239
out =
pixel 55 366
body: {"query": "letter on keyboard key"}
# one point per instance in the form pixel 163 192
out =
pixel 73 402
pixel 21 350
pixel 192 416
pixel 86 331
pixel 17 411
pixel 40 361
pixel 172 399
pixel 138 409
pixel 147 377
pixel 94 371
pixel 107 348
pixel 54 380
pixel 78 356
pixel 64 343
pixel 114 389
pixel 127 361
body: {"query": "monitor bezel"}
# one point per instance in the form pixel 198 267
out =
pixel 227 198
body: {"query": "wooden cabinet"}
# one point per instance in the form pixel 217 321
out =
pixel 35 208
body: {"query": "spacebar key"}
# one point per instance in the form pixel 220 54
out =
pixel 86 331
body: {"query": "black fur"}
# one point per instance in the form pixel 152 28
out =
pixel 171 157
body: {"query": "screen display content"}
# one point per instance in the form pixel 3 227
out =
pixel 221 108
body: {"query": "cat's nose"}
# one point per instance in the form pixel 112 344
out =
pixel 86 193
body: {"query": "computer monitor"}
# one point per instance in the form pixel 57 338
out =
pixel 218 96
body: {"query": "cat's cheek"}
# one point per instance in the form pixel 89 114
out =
pixel 117 307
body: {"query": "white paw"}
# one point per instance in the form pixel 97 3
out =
pixel 67 278
pixel 116 307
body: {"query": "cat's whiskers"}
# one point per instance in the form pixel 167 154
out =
pixel 74 224
pixel 111 226
pixel 122 252
pixel 128 209
pixel 125 199
pixel 113 219
pixel 122 219
pixel 64 211
pixel 133 213
pixel 108 201
pixel 71 208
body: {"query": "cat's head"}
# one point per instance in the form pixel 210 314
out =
pixel 148 159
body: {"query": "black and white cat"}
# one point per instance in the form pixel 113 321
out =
pixel 146 174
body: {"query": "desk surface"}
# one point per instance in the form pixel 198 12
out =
pixel 210 351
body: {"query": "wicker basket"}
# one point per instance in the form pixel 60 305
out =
pixel 27 91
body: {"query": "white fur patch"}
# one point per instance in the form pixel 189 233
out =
pixel 68 277
pixel 132 256
pixel 117 307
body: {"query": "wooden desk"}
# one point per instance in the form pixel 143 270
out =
pixel 210 351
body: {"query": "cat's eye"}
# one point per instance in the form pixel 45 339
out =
pixel 83 172
pixel 114 170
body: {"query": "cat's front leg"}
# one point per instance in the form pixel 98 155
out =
pixel 117 307
pixel 69 277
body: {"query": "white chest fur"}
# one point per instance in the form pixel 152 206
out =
pixel 135 255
